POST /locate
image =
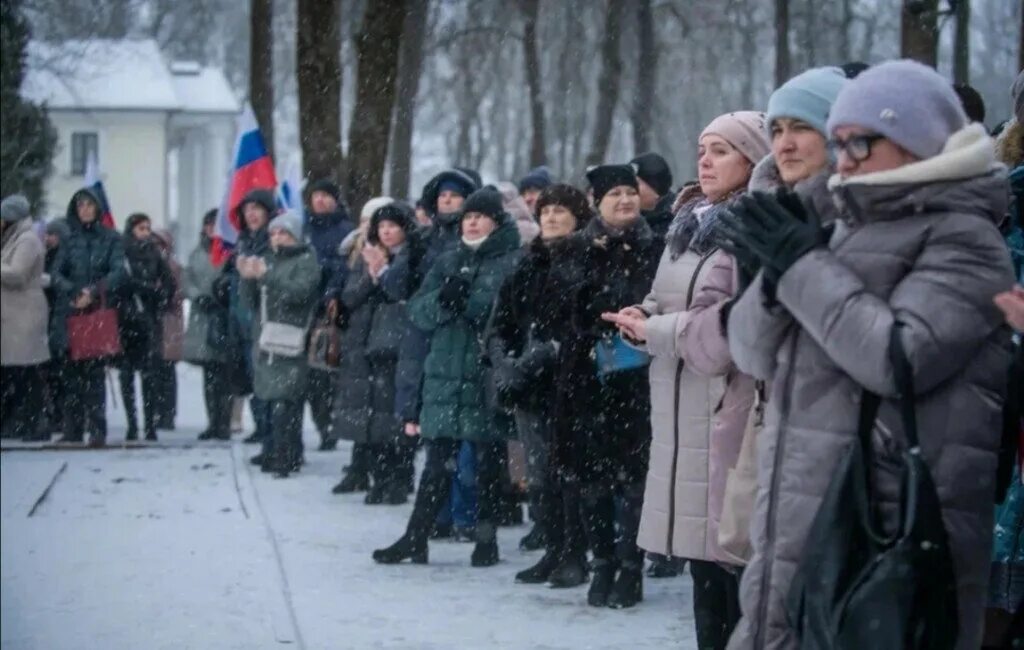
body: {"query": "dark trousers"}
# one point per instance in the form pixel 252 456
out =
pixel 54 388
pixel 150 383
pixel 85 408
pixel 21 400
pixel 386 462
pixel 716 606
pixel 320 395
pixel 558 505
pixel 217 394
pixel 286 436
pixel 166 393
pixel 436 483
pixel 600 516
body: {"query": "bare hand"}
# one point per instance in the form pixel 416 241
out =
pixel 258 267
pixel 375 258
pixel 83 300
pixel 412 429
pixel 630 325
pixel 1012 304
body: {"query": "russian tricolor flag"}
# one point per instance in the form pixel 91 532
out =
pixel 253 169
pixel 93 182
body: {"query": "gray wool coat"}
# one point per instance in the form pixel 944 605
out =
pixel 918 245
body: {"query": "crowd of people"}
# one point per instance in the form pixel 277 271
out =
pixel 635 351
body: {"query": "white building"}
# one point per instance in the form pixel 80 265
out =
pixel 161 131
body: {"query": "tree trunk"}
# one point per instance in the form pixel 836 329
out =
pixel 377 55
pixel 782 55
pixel 530 8
pixel 608 82
pixel 261 68
pixel 845 25
pixel 962 43
pixel 646 80
pixel 319 77
pixel 413 35
pixel 919 34
pixel 1020 44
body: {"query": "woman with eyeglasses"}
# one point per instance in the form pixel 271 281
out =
pixel 916 248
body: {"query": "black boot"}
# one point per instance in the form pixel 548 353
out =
pixel 571 572
pixel 328 444
pixel 404 549
pixel 257 460
pixel 601 583
pixel 253 439
pixel 376 494
pixel 629 587
pixel 485 553
pixel 541 572
pixel 151 435
pixel 395 493
pixel 353 482
pixel 665 567
pixel 133 432
pixel 537 538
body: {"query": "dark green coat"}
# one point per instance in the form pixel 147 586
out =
pixel 91 256
pixel 454 384
pixel 292 284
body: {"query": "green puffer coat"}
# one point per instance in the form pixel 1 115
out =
pixel 92 257
pixel 292 283
pixel 454 393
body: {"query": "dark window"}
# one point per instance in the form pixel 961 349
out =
pixel 82 145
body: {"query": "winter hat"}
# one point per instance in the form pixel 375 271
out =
pixel 807 97
pixel 263 197
pixel 487 201
pixel 568 197
pixel 14 208
pixel 133 220
pixel 971 101
pixel 451 179
pixel 603 178
pixel 59 227
pixel 397 212
pixel 536 179
pixel 372 206
pixel 744 130
pixel 853 69
pixel 1017 93
pixel 325 185
pixel 652 169
pixel 288 221
pixel 906 101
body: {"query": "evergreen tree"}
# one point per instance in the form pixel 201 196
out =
pixel 27 138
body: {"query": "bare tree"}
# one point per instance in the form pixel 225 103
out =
pixel 608 82
pixel 962 42
pixel 919 33
pixel 782 54
pixel 261 68
pixel 319 75
pixel 411 63
pixel 377 51
pixel 646 80
pixel 529 9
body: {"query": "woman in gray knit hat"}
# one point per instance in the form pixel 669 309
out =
pixel 915 250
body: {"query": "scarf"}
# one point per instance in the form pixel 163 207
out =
pixel 693 227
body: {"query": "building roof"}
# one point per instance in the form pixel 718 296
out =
pixel 103 74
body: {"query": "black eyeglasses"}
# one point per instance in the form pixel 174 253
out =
pixel 857 147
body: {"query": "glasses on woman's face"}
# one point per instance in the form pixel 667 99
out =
pixel 856 147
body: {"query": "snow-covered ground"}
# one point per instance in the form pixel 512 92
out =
pixel 184 545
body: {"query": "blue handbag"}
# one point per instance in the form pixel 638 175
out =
pixel 614 355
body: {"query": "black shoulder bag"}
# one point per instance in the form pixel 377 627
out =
pixel 857 588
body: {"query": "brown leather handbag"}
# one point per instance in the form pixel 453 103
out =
pixel 325 341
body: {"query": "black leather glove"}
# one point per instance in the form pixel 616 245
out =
pixel 779 229
pixel 205 303
pixel 454 294
pixel 222 290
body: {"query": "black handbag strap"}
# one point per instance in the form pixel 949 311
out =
pixel 904 377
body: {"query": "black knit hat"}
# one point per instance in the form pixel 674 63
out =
pixel 487 200
pixel 397 212
pixel 605 177
pixel 853 68
pixel 325 185
pixel 569 198
pixel 536 179
pixel 467 182
pixel 653 170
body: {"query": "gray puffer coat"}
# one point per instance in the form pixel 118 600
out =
pixel 917 245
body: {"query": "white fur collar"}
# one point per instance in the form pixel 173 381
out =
pixel 968 153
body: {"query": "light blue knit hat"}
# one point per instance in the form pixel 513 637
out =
pixel 906 101
pixel 807 97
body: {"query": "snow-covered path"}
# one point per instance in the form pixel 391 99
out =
pixel 186 546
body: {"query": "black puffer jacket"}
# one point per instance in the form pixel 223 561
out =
pixel 144 295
